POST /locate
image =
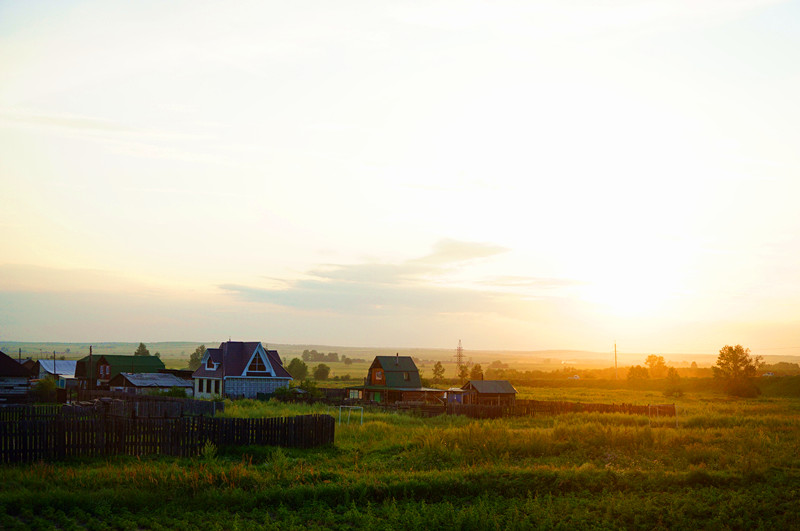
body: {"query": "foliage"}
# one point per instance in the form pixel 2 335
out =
pixel 298 369
pixel 637 372
pixel 174 392
pixel 656 366
pixel 736 369
pixel 673 383
pixel 196 357
pixel 463 373
pixel 313 355
pixel 476 373
pixel 141 350
pixel 438 372
pixel 44 390
pixel 321 372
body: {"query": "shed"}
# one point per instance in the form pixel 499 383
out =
pixel 489 392
pixel 14 383
pixel 140 383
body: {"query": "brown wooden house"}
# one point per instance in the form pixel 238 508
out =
pixel 394 379
pixel 489 392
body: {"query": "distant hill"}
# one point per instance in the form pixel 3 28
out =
pixel 176 353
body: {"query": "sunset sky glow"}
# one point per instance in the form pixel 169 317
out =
pixel 518 175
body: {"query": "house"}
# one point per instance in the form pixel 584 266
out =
pixel 14 383
pixel 32 366
pixel 239 369
pixel 105 366
pixel 489 392
pixel 62 371
pixel 394 379
pixel 142 383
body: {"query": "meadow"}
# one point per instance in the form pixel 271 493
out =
pixel 729 464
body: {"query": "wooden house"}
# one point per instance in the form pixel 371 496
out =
pixel 143 383
pixel 14 382
pixel 489 392
pixel 239 369
pixel 105 366
pixel 394 379
pixel 62 371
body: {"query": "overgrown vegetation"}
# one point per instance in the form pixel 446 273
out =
pixel 728 464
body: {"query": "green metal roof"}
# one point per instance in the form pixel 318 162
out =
pixel 120 363
pixel 395 368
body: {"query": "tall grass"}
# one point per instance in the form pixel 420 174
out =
pixel 727 464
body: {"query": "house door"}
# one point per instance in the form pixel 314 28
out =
pixel 376 397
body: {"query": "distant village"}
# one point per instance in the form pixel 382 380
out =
pixel 234 370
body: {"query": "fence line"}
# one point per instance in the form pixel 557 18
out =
pixel 155 406
pixel 39 438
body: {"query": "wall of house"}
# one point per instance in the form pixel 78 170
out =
pixel 13 386
pixel 249 387
pixel 209 387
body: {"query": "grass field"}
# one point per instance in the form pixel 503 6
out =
pixel 730 464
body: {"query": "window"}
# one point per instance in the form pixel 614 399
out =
pixel 257 365
pixel 216 387
pixel 379 374
pixel 200 385
pixel 210 364
pixel 406 376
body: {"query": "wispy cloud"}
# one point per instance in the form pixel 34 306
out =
pixel 375 287
pixel 63 121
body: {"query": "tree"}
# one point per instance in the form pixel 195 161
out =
pixel 673 383
pixel 736 369
pixel 298 369
pixel 658 369
pixel 438 372
pixel 638 372
pixel 196 357
pixel 157 355
pixel 463 373
pixel 321 372
pixel 476 373
pixel 141 350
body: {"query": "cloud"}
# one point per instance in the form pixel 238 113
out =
pixel 64 121
pixel 448 251
pixel 418 285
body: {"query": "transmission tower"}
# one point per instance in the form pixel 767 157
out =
pixel 459 357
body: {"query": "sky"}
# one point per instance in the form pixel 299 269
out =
pixel 518 175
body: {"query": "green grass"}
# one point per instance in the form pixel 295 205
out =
pixel 730 464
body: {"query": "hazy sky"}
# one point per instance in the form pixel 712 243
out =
pixel 518 175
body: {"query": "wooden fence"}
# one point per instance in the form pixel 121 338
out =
pixel 146 404
pixel 33 439
pixel 529 408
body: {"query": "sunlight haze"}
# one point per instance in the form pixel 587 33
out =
pixel 518 175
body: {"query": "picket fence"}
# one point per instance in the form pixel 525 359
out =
pixel 34 438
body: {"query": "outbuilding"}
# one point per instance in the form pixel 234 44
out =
pixel 142 383
pixel 489 392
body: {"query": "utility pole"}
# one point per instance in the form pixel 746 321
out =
pixel 89 375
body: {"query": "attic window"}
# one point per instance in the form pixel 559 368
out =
pixel 257 365
pixel 379 374
pixel 210 364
